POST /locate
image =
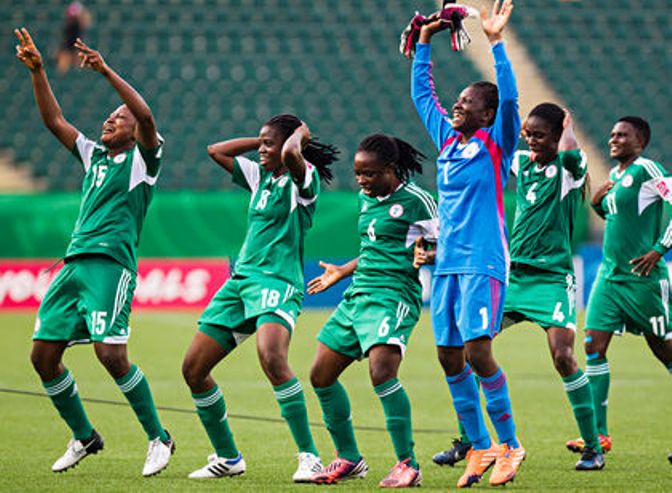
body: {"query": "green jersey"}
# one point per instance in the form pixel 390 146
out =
pixel 547 198
pixel 280 213
pixel 116 193
pixel 388 227
pixel 633 211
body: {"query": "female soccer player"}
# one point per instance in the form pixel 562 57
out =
pixel 631 290
pixel 90 298
pixel 551 180
pixel 379 309
pixel 475 147
pixel 265 293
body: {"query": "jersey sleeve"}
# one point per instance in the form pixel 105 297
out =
pixel 515 162
pixel 659 186
pixel 426 221
pixel 506 129
pixel 433 115
pixel 246 173
pixel 310 188
pixel 575 162
pixel 152 157
pixel 83 150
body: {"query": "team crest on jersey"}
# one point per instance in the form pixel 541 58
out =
pixel 470 150
pixel 551 171
pixel 119 158
pixel 396 210
pixel 627 181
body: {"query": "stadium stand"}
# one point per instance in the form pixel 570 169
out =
pixel 212 70
pixel 606 60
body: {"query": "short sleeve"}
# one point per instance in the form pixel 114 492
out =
pixel 310 188
pixel 152 157
pixel 246 173
pixel 575 162
pixel 83 150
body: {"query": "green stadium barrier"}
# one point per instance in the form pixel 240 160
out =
pixel 187 224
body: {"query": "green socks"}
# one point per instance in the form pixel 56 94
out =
pixel 336 412
pixel 211 409
pixel 135 387
pixel 463 433
pixel 580 396
pixel 63 393
pixel 598 375
pixel 397 409
pixel 293 408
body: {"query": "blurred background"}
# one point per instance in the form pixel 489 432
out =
pixel 212 70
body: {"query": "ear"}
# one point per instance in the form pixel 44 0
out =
pixel 488 115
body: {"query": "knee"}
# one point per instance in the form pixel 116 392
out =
pixel 275 366
pixel 192 373
pixel 564 362
pixel 451 365
pixel 381 373
pixel 116 364
pixel 482 362
pixel 320 378
pixel 45 366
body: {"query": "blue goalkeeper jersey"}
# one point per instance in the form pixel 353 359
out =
pixel 471 176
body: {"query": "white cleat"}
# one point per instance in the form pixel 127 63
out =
pixel 309 465
pixel 77 450
pixel 219 467
pixel 158 456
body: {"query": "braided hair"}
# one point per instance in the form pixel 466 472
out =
pixel 490 95
pixel 552 114
pixel 402 156
pixel 316 153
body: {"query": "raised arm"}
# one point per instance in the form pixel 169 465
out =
pixel 223 153
pixel 50 111
pixel 145 133
pixel 568 140
pixel 434 116
pixel 291 153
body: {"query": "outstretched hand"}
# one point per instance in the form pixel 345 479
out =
pixel 26 51
pixel 90 58
pixel 493 26
pixel 331 275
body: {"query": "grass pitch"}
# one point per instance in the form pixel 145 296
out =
pixel 32 435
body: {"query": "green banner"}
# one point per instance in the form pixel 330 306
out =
pixel 186 224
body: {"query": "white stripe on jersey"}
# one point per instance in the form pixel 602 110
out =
pixel 426 198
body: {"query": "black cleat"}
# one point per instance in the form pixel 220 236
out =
pixel 453 455
pixel 591 460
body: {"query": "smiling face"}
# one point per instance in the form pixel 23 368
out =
pixel 374 177
pixel 541 139
pixel 625 142
pixel 470 112
pixel 119 129
pixel 270 149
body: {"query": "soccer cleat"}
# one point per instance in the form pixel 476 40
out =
pixel 402 476
pixel 507 464
pixel 219 467
pixel 578 445
pixel 77 450
pixel 341 470
pixel 478 461
pixel 309 465
pixel 669 457
pixel 591 460
pixel 158 455
pixel 453 455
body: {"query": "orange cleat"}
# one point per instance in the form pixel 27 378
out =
pixel 578 445
pixel 507 464
pixel 478 461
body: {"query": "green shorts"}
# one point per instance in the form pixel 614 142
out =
pixel 242 303
pixel 639 306
pixel 364 320
pixel 543 297
pixel 89 300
